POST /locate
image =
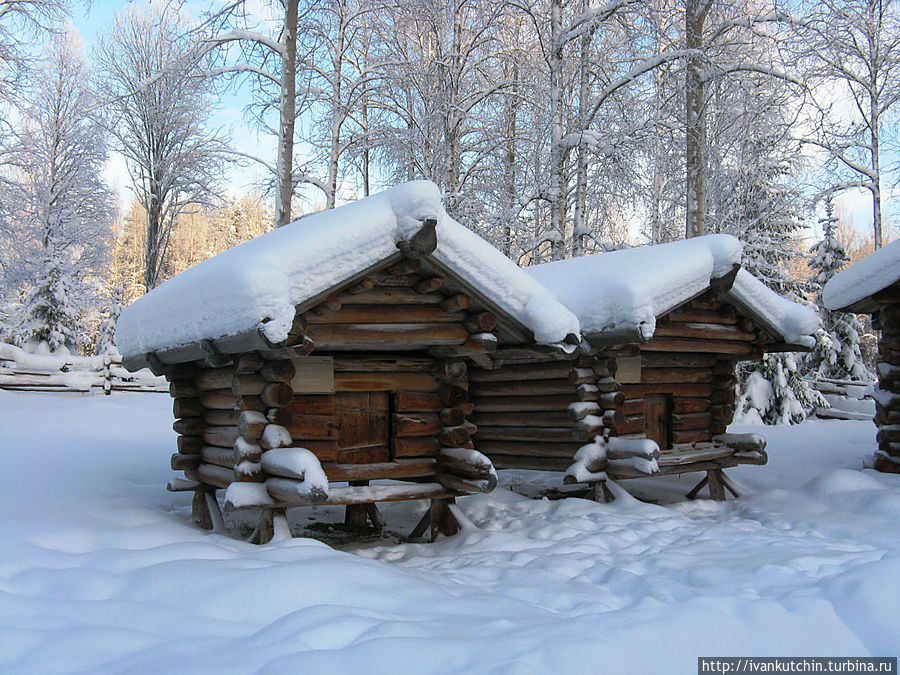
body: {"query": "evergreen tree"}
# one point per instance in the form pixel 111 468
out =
pixel 106 338
pixel 837 353
pixel 773 390
pixel 50 316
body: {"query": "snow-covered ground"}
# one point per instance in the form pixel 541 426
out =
pixel 101 569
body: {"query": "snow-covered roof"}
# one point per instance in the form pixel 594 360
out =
pixel 620 294
pixel 256 285
pixel 873 273
pixel 794 322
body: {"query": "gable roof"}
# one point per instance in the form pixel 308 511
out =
pixel 851 288
pixel 618 296
pixel 253 288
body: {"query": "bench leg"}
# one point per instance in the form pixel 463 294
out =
pixel 272 522
pixel 205 510
pixel 438 518
pixel 726 481
pixel 716 486
pixel 696 489
pixel 601 493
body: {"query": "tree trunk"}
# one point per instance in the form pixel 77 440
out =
pixel 288 113
pixel 695 121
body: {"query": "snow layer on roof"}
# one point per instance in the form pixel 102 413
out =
pixel 624 291
pixel 258 283
pixel 873 273
pixel 794 322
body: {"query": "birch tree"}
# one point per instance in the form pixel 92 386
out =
pixel 158 106
pixel 853 48
pixel 64 209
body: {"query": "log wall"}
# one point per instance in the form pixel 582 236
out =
pixel 536 410
pixel 887 399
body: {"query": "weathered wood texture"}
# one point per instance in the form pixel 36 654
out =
pixel 887 402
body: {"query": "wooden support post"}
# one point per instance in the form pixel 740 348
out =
pixel 726 481
pixel 356 515
pixel 696 489
pixel 205 509
pixel 716 486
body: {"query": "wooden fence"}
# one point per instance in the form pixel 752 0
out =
pixel 21 371
pixel 849 400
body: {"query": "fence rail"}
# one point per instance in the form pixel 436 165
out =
pixel 848 400
pixel 21 371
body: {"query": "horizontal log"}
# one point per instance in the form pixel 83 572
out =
pixel 386 335
pixel 482 322
pixel 293 495
pixel 210 474
pixel 458 436
pixel 604 367
pixel 189 445
pixel 249 472
pixel 705 331
pixel 219 456
pixel 382 363
pixel 250 362
pixel 187 407
pixel 676 360
pixel 495 449
pixel 697 315
pixel 189 426
pixel 518 373
pixel 521 403
pixel 464 463
pixel 415 447
pixel 309 427
pixel 532 354
pixel 278 371
pixel 457 414
pixel 248 385
pixel 523 388
pixel 631 424
pixel 180 462
pixel 682 404
pixel 428 285
pixel 743 442
pixel 391 296
pixel 613 399
pixel 633 406
pixel 723 396
pixel 277 395
pixel 325 450
pixel 221 417
pixel 455 303
pixel 411 425
pixel 415 401
pixel 244 451
pixel 578 412
pixel 472 485
pixel 691 436
pixel 223 437
pixel 423 382
pixel 396 314
pixel 251 424
pixel 530 462
pixel 214 378
pixel 671 344
pixel 524 419
pixel 314 404
pixel 452 395
pixel 250 403
pixel 401 468
pixel 218 399
pixel 694 390
pixel 686 421
pixel 183 389
pixel 675 375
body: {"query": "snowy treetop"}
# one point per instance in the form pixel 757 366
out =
pixel 258 283
pixel 873 273
pixel 623 292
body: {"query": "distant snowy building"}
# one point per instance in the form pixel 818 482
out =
pixel 383 340
pixel 872 286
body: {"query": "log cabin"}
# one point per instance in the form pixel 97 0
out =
pixel 334 352
pixel 872 286
pixel 381 352
pixel 651 390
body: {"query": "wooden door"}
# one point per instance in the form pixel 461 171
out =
pixel 658 419
pixel 363 418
